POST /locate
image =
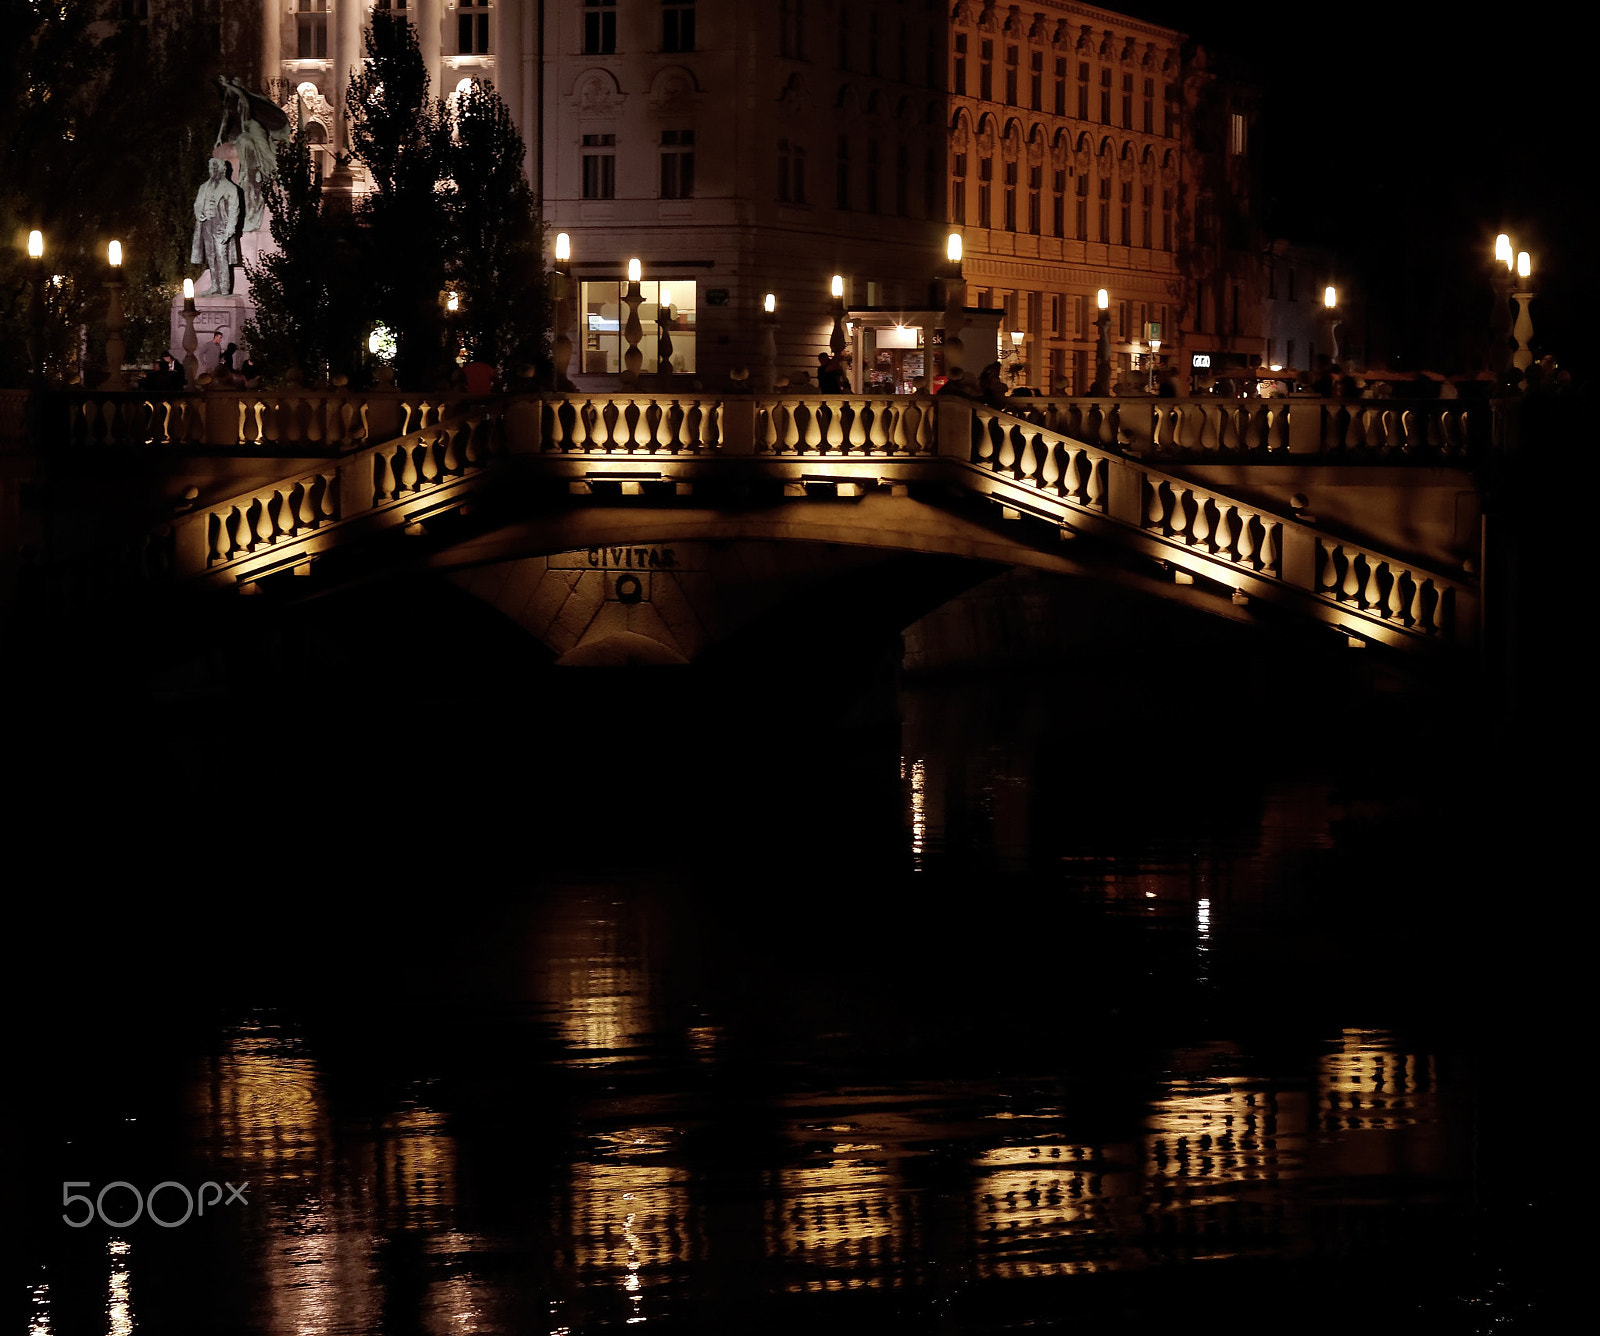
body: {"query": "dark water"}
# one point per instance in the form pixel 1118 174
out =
pixel 996 1023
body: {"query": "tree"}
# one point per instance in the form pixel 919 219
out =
pixel 497 256
pixel 402 137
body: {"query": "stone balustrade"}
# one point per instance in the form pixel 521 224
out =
pixel 832 424
pixel 1217 525
pixel 630 424
pixel 1382 587
pixel 1052 461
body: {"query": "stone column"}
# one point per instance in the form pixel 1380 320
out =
pixel 271 40
pixel 505 41
pixel 428 20
pixel 348 51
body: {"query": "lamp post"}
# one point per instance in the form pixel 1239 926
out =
pixel 663 331
pixel 116 349
pixel 1500 313
pixel 633 359
pixel 191 363
pixel 561 350
pixel 836 340
pixel 1522 359
pixel 36 307
pixel 767 379
pixel 1330 310
pixel 1102 352
pixel 1016 354
pixel 1155 357
pixel 955 307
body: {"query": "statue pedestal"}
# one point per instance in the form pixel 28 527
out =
pixel 211 314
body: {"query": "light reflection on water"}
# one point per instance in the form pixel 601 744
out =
pixel 827 1104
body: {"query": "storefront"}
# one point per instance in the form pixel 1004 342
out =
pixel 666 319
pixel 890 350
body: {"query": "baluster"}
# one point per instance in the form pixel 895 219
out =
pixel 263 521
pixel 1071 477
pixel 1246 546
pixel 555 435
pixel 1210 427
pixel 1255 434
pixel 1372 593
pixel 858 425
pixel 1160 429
pixel 243 439
pixel 791 426
pixel 384 482
pixel 1178 521
pixel 406 414
pixel 678 439
pixel 328 502
pixel 659 422
pixel 1228 429
pixel 835 409
pixel 1006 461
pixel 813 434
pixel 601 429
pixel 1050 468
pixel 1200 531
pixel 1352 577
pixel 693 425
pixel 408 466
pixel 452 455
pixel 1372 428
pixel 924 428
pixel 1269 546
pixel 234 532
pixel 1155 512
pixel 1327 572
pixel 983 445
pixel 305 512
pixel 1027 457
pixel 1397 603
pixel 216 537
pixel 877 437
pixel 1092 487
pixel 1223 544
pixel 1418 608
pixel 430 460
pixel 1355 429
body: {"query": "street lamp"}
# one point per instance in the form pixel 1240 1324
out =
pixel 561 349
pixel 36 306
pixel 1330 305
pixel 1015 353
pixel 1522 359
pixel 955 306
pixel 1155 355
pixel 116 349
pixel 836 340
pixel 1500 316
pixel 191 363
pixel 633 359
pixel 1102 352
pixel 767 369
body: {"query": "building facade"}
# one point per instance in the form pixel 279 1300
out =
pixel 742 149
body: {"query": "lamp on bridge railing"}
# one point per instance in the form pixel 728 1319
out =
pixel 1522 359
pixel 955 305
pixel 1015 354
pixel 561 349
pixel 191 363
pixel 36 306
pixel 1155 357
pixel 836 340
pixel 1330 310
pixel 633 359
pixel 1501 274
pixel 1102 351
pixel 116 349
pixel 767 368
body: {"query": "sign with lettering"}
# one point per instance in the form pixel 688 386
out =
pixel 616 559
pixel 1202 361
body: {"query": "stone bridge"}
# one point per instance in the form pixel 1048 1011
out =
pixel 645 526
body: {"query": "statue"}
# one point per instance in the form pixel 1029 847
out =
pixel 255 127
pixel 217 209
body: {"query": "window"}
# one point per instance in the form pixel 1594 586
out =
pixel 599 27
pixel 1272 282
pixel 1011 196
pixel 1083 90
pixel 960 79
pixel 841 181
pixel 1057 311
pixel 1011 76
pixel 791 173
pixel 1236 135
pixel 311 29
pixel 1061 86
pixel 1166 220
pixel 902 181
pixel 677 164
pixel 1125 234
pixel 668 308
pixel 985 182
pixel 1127 101
pixel 932 165
pixel 958 190
pixel 1149 106
pixel 799 174
pixel 677 25
pixel 1291 285
pixel 1170 111
pixel 1058 205
pixel 472 29
pixel 872 176
pixel 1036 80
pixel 1081 210
pixel 986 70
pixel 1105 210
pixel 1146 198
pixel 1105 97
pixel 1035 184
pixel 599 167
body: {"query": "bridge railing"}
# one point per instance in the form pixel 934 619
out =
pixel 299 421
pixel 1333 430
pixel 1218 533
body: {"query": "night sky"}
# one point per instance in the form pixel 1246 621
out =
pixel 1406 135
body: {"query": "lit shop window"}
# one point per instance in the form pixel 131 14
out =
pixel 668 306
